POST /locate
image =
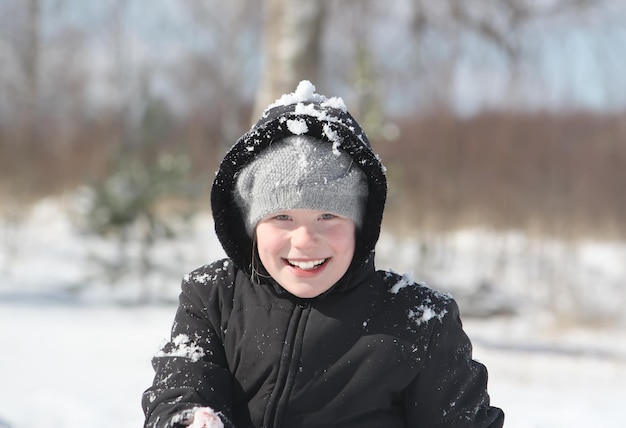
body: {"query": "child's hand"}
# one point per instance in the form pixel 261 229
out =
pixel 205 417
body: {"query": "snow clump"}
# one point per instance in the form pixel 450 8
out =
pixel 405 281
pixel 182 346
pixel 297 126
pixel 422 314
pixel 305 93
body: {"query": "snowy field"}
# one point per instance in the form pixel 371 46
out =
pixel 75 356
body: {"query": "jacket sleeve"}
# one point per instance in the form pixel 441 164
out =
pixel 191 370
pixel 451 388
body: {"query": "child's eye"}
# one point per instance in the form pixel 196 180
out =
pixel 327 216
pixel 281 217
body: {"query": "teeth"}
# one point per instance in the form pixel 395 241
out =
pixel 307 265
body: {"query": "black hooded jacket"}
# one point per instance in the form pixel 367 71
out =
pixel 376 350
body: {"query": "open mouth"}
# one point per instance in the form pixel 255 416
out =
pixel 307 265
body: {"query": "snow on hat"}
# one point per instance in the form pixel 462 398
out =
pixel 300 172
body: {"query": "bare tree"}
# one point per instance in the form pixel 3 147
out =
pixel 479 28
pixel 219 71
pixel 23 88
pixel 31 64
pixel 293 39
pixel 22 94
pixel 291 47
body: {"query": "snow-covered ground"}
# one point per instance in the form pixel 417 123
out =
pixel 74 356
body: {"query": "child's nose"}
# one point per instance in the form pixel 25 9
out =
pixel 303 236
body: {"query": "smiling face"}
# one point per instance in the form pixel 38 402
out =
pixel 306 251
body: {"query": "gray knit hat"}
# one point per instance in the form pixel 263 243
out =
pixel 300 172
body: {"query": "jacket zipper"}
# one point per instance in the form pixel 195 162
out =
pixel 288 367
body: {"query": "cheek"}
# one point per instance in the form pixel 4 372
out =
pixel 349 246
pixel 267 241
pixel 344 242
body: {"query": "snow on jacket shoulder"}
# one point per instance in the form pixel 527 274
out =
pixel 386 353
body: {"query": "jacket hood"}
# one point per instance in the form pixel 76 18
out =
pixel 315 116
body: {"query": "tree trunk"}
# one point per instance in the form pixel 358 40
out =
pixel 31 65
pixel 291 44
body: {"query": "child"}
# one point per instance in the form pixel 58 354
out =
pixel 296 328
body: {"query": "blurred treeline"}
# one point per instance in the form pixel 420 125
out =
pixel 87 85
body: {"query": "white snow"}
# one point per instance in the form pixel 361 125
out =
pixel 332 136
pixel 305 93
pixel 405 281
pixel 76 366
pixel 308 110
pixel 424 313
pixel 71 357
pixel 183 347
pixel 297 126
pixel 544 376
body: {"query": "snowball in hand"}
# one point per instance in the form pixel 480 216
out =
pixel 205 417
